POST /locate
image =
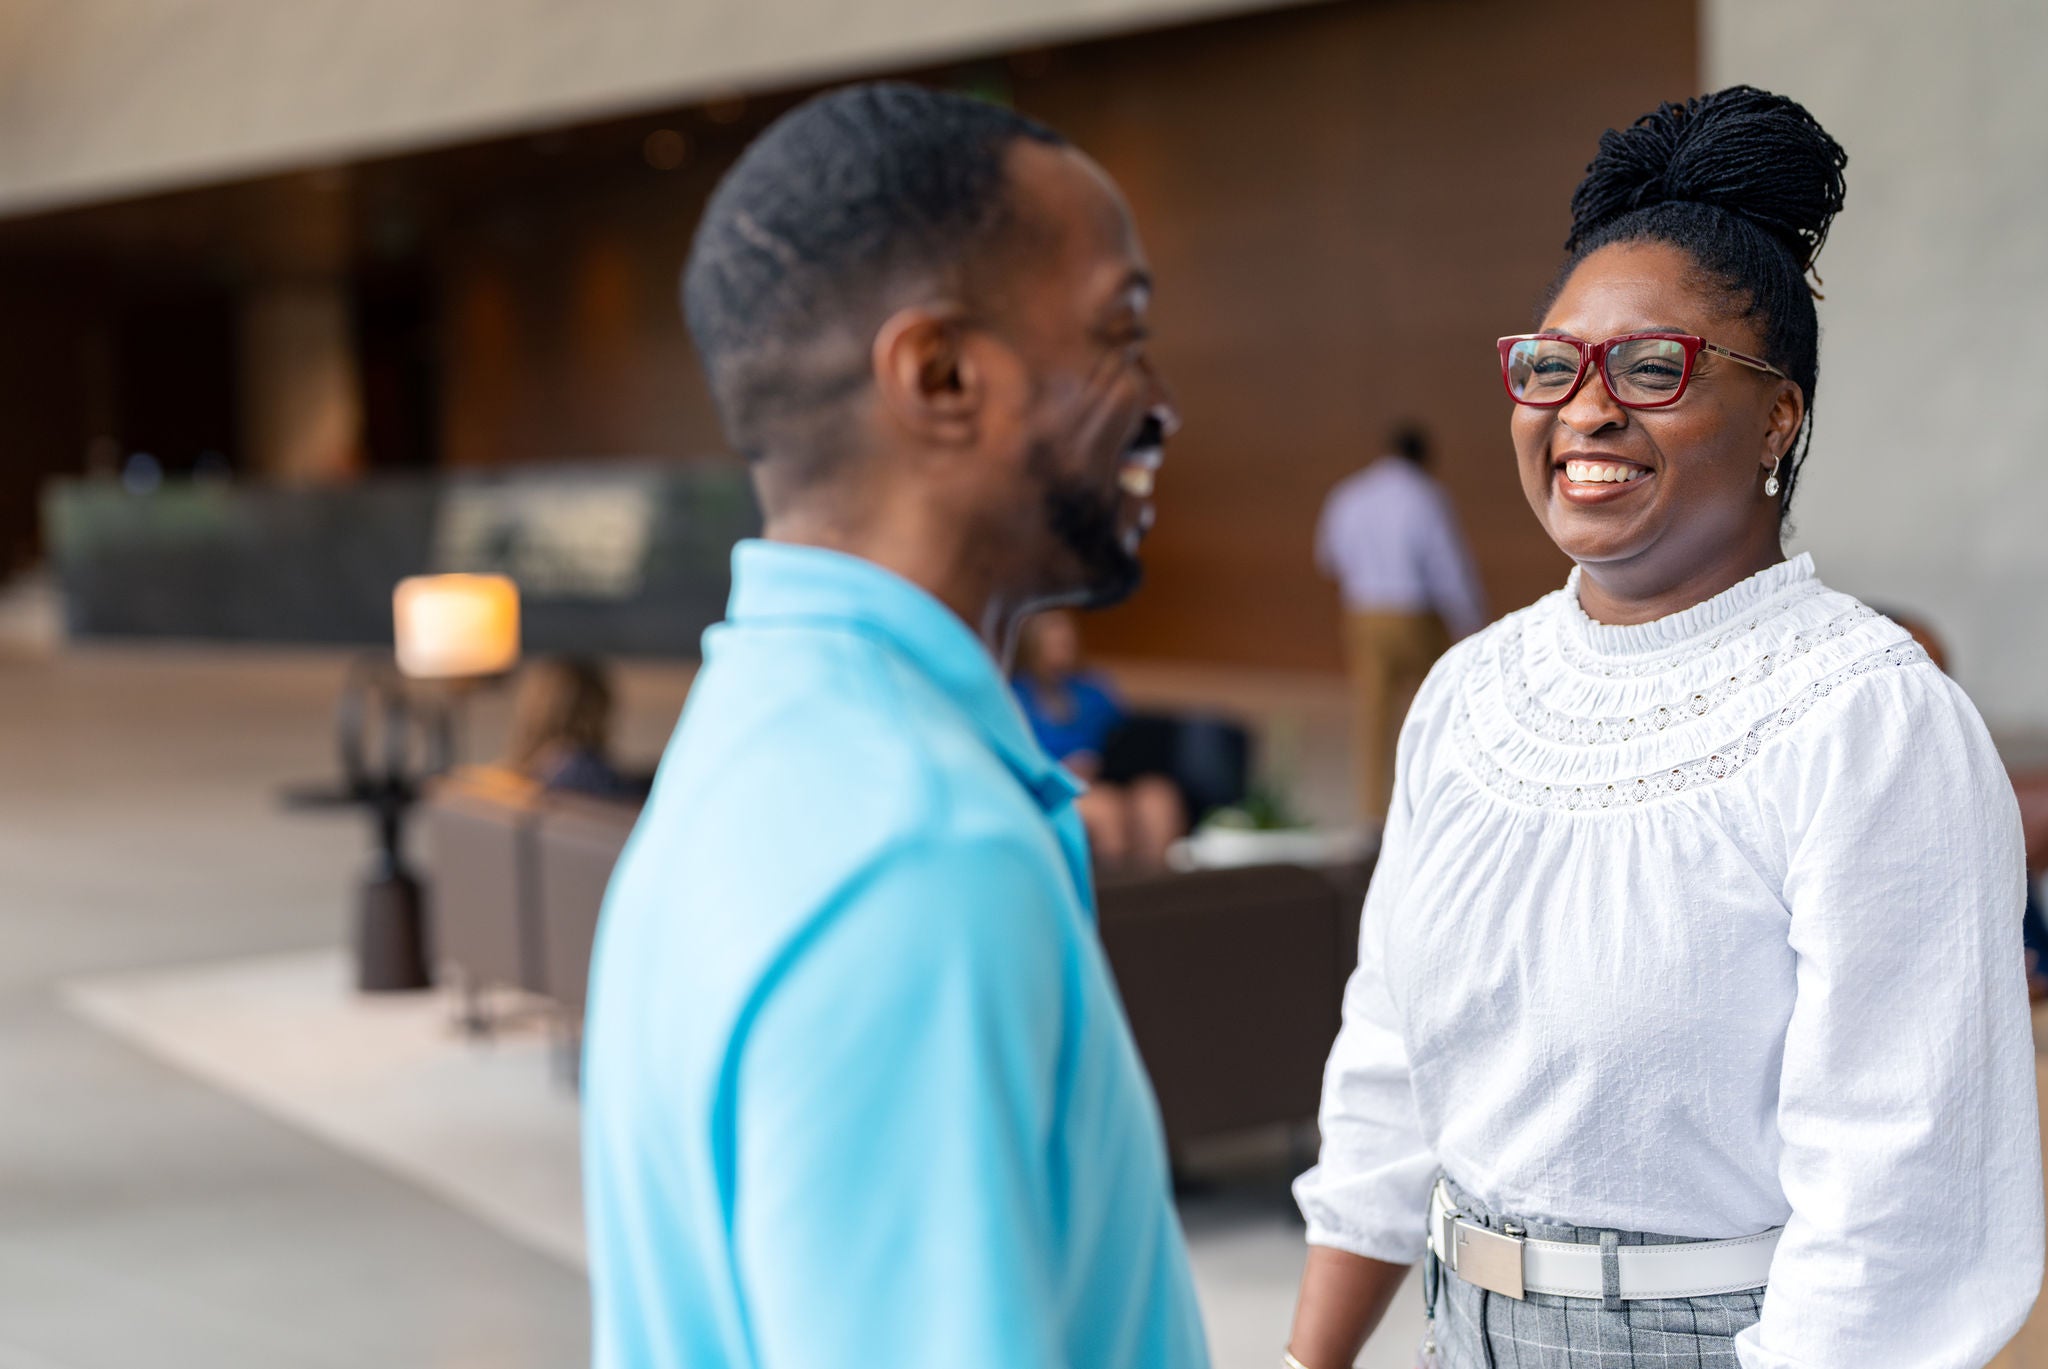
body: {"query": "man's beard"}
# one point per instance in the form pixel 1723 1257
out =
pixel 1083 520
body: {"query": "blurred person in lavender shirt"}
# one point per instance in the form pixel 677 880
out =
pixel 1388 537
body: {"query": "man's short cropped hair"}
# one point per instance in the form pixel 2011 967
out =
pixel 837 205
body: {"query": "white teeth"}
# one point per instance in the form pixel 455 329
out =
pixel 1601 472
pixel 1140 472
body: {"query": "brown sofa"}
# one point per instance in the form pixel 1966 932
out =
pixel 484 915
pixel 1232 979
pixel 517 875
pixel 577 842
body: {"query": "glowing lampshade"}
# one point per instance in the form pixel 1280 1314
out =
pixel 455 626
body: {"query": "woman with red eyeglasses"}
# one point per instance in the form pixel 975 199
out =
pixel 1689 1024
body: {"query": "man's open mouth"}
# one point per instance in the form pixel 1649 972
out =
pixel 1138 469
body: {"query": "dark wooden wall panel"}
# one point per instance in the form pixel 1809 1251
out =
pixel 1345 202
pixel 48 357
pixel 1346 205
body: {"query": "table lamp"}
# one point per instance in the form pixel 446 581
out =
pixel 455 627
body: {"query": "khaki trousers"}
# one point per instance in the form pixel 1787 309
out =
pixel 1387 655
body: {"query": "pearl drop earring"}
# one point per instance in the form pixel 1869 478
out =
pixel 1771 485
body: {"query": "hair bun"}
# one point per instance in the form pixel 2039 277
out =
pixel 1743 150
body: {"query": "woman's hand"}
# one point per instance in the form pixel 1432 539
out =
pixel 1343 1296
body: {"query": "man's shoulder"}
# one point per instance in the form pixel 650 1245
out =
pixel 988 895
pixel 1360 483
pixel 797 773
pixel 1096 689
pixel 791 796
pixel 833 704
pixel 1389 478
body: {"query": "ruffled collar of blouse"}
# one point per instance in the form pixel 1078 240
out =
pixel 1760 593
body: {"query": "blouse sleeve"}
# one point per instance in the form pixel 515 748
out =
pixel 1369 1191
pixel 1907 1108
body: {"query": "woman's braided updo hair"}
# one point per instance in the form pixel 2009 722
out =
pixel 1745 181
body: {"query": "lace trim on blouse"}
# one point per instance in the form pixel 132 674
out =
pixel 1710 769
pixel 1569 730
pixel 1584 659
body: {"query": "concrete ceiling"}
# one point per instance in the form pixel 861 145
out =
pixel 108 99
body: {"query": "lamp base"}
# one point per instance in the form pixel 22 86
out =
pixel 391 940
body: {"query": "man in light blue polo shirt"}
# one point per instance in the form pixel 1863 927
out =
pixel 859 1092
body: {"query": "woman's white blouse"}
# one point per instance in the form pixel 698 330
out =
pixel 1699 927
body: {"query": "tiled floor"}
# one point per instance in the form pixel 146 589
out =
pixel 151 1218
pixel 478 1124
pixel 147 1219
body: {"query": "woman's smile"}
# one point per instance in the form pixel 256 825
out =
pixel 1590 481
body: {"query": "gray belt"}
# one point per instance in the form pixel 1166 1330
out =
pixel 1514 1266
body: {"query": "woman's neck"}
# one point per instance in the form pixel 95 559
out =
pixel 1613 595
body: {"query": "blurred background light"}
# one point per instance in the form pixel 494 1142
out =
pixel 665 149
pixel 143 473
pixel 450 627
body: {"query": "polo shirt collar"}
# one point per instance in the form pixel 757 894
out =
pixel 784 581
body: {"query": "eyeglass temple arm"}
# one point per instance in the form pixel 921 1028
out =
pixel 1758 363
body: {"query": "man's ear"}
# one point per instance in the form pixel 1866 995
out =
pixel 928 378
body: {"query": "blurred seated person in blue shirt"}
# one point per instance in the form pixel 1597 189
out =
pixel 1073 712
pixel 561 729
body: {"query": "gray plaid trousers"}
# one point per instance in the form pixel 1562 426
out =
pixel 1551 1332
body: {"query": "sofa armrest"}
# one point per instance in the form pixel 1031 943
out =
pixel 578 841
pixel 479 835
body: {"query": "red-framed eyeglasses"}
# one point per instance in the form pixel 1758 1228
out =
pixel 1641 370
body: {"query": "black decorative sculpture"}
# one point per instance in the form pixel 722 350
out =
pixel 392 735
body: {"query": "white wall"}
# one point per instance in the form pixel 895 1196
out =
pixel 100 98
pixel 1928 486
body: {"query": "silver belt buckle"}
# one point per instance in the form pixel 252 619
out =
pixel 1487 1258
